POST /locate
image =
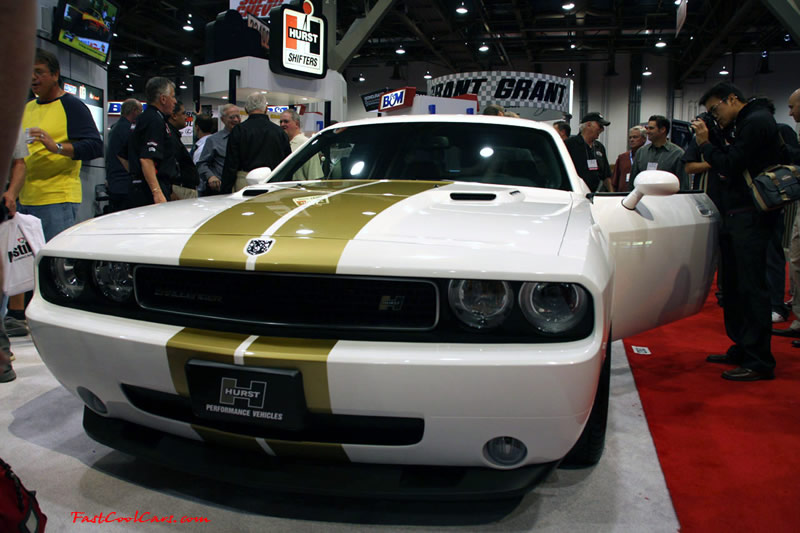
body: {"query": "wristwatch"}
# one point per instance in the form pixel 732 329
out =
pixel 59 148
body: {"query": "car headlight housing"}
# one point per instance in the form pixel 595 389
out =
pixel 113 279
pixel 553 308
pixel 69 278
pixel 481 304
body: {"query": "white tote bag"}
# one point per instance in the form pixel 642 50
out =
pixel 22 238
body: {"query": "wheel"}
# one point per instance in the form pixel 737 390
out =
pixel 589 448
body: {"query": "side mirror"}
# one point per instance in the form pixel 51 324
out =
pixel 257 176
pixel 652 183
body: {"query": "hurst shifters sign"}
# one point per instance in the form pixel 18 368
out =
pixel 297 41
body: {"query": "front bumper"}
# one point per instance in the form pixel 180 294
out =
pixel 464 394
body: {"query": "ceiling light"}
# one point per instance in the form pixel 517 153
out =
pixel 186 62
pixel 570 72
pixel 188 26
pixel 462 9
pixel 572 45
pixel 129 88
pixel 361 78
pixel 224 97
pixel 646 72
pixel 127 76
pixel 724 71
pixel 115 34
pixel 787 37
pixel 764 54
pixel 483 47
pixel 400 50
pixel 647 32
pixel 427 75
pixel 660 43
pixel 677 2
pixel 182 85
pixel 566 6
pixel 122 65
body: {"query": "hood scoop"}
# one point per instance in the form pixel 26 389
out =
pixel 485 196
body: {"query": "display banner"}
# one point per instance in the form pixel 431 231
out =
pixel 257 8
pixel 508 89
pixel 298 42
pixel 372 99
pixel 399 99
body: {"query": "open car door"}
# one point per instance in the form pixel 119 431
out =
pixel 665 253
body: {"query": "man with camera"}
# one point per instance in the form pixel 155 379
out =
pixel 745 232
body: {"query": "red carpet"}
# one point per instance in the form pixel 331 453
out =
pixel 730 451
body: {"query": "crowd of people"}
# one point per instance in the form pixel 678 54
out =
pixel 147 163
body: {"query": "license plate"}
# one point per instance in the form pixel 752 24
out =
pixel 247 395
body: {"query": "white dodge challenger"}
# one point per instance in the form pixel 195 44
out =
pixel 430 314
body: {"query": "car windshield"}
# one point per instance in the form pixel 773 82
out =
pixel 451 151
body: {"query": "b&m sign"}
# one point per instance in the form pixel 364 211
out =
pixel 398 99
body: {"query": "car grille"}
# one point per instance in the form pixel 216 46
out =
pixel 295 300
pixel 343 429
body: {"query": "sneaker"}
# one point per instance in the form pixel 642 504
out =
pixel 776 317
pixel 7 374
pixel 15 327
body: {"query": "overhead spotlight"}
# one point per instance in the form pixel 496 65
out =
pixel 646 72
pixel 129 88
pixel 127 76
pixel 462 9
pixel 123 66
pixel 566 6
pixel 182 85
pixel 361 78
pixel 427 75
pixel 787 37
pixel 724 72
pixel 483 47
pixel 572 45
pixel 647 32
pixel 570 73
pixel 764 54
pixel 400 50
pixel 677 2
pixel 186 62
pixel 188 26
pixel 115 34
pixel 660 43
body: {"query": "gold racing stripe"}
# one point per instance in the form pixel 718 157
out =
pixel 311 240
pixel 220 242
pixel 314 239
pixel 309 356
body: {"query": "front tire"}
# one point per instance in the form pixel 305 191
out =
pixel 589 448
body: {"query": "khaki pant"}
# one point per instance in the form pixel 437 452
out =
pixel 241 180
pixel 183 193
pixel 794 270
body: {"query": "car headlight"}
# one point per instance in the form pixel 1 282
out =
pixel 553 308
pixel 113 279
pixel 68 276
pixel 481 304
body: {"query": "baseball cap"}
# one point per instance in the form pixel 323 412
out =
pixel 597 117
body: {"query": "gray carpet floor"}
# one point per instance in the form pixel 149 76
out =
pixel 42 438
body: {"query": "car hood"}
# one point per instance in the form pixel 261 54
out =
pixel 315 219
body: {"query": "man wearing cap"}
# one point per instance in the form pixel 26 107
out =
pixel 660 154
pixel 588 154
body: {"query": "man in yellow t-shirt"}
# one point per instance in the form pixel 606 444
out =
pixel 61 133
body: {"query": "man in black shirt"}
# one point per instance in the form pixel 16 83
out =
pixel 118 177
pixel 588 154
pixel 153 160
pixel 257 142
pixel 745 231
pixel 184 185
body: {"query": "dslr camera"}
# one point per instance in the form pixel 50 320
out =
pixel 715 134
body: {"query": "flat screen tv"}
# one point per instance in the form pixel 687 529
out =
pixel 86 26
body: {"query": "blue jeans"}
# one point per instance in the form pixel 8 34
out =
pixel 55 217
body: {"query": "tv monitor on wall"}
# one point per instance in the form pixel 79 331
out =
pixel 86 26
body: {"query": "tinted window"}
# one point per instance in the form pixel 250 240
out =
pixel 453 151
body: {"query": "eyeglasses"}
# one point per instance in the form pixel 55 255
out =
pixel 713 108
